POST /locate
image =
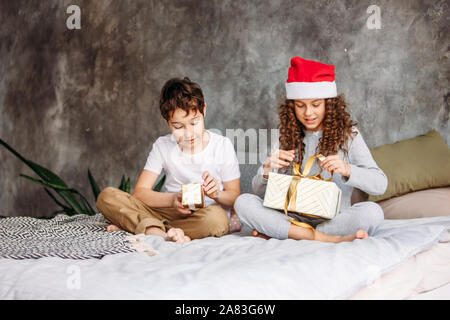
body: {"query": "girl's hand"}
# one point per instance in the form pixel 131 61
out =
pixel 334 164
pixel 210 185
pixel 178 206
pixel 278 159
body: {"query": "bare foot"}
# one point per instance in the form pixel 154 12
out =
pixel 112 227
pixel 177 235
pixel 235 222
pixel 360 234
pixel 259 235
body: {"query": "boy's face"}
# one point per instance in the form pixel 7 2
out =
pixel 187 128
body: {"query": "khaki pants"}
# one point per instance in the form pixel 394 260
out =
pixel 133 215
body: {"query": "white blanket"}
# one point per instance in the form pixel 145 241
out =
pixel 232 267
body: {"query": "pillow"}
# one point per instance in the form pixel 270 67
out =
pixel 358 196
pixel 414 164
pixel 420 204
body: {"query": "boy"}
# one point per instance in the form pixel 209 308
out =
pixel 189 154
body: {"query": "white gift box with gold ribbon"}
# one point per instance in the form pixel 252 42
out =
pixel 310 196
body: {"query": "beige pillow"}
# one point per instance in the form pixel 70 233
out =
pixel 358 196
pixel 419 204
pixel 414 164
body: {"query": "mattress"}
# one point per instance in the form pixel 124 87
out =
pixel 424 275
pixel 238 266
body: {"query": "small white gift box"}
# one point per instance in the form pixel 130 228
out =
pixel 192 196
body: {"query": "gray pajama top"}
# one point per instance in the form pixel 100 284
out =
pixel 365 173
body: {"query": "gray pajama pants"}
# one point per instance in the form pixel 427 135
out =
pixel 273 223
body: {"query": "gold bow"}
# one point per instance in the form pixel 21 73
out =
pixel 291 196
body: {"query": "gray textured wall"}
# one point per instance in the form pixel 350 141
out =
pixel 73 99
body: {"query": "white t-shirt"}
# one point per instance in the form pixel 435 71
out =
pixel 218 158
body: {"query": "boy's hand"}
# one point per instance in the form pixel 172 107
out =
pixel 177 204
pixel 278 159
pixel 210 185
pixel 334 164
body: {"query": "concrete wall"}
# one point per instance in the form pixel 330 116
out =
pixel 77 99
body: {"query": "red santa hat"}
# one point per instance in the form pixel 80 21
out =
pixel 309 79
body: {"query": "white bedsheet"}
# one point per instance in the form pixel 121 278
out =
pixel 232 267
pixel 422 273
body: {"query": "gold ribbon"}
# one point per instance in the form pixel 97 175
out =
pixel 291 196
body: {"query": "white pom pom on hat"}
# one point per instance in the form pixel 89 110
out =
pixel 309 79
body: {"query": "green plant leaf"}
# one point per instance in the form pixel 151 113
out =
pixel 122 183
pixel 48 184
pixel 82 207
pixel 94 185
pixel 159 184
pixel 86 204
pixel 69 211
pixel 71 201
pixel 46 175
pixel 127 186
pixel 56 200
pixel 42 172
pixel 58 211
pixel 63 192
pixel 56 183
pixel 18 155
pixel 51 180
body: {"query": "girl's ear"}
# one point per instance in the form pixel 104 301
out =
pixel 204 110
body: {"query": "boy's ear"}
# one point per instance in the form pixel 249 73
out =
pixel 204 110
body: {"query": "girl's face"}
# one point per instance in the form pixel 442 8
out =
pixel 310 112
pixel 187 128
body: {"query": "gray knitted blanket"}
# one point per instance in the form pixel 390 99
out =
pixel 69 237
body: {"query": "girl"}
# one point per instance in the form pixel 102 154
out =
pixel 314 119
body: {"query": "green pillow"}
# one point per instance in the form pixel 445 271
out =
pixel 414 164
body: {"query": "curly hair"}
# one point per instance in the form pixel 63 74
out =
pixel 337 128
pixel 180 93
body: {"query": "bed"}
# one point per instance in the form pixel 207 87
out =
pixel 404 259
pixel 407 257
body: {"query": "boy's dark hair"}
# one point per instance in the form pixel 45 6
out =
pixel 180 93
